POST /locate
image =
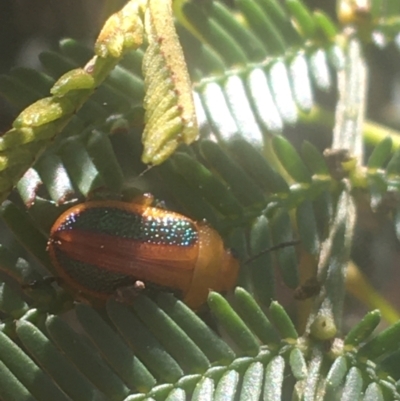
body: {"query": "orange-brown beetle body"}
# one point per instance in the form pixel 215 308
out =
pixel 98 247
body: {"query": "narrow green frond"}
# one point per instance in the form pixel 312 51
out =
pixel 268 76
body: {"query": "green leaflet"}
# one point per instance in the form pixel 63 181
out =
pixel 170 116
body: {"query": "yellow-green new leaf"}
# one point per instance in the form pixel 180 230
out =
pixel 170 115
pixel 37 125
pixel 121 32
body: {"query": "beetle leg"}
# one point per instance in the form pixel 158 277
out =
pixel 43 282
pixel 127 294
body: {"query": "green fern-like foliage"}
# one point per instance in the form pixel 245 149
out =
pixel 258 70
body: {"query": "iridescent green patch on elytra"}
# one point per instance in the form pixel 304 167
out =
pixel 101 281
pixel 116 222
pixel 93 277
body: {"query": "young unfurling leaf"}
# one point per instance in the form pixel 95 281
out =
pixel 170 116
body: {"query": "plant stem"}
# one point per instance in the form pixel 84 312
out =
pixel 326 315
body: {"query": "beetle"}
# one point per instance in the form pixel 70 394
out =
pixel 99 247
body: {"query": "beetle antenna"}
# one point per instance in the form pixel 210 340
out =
pixel 145 171
pixel 141 174
pixel 273 248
